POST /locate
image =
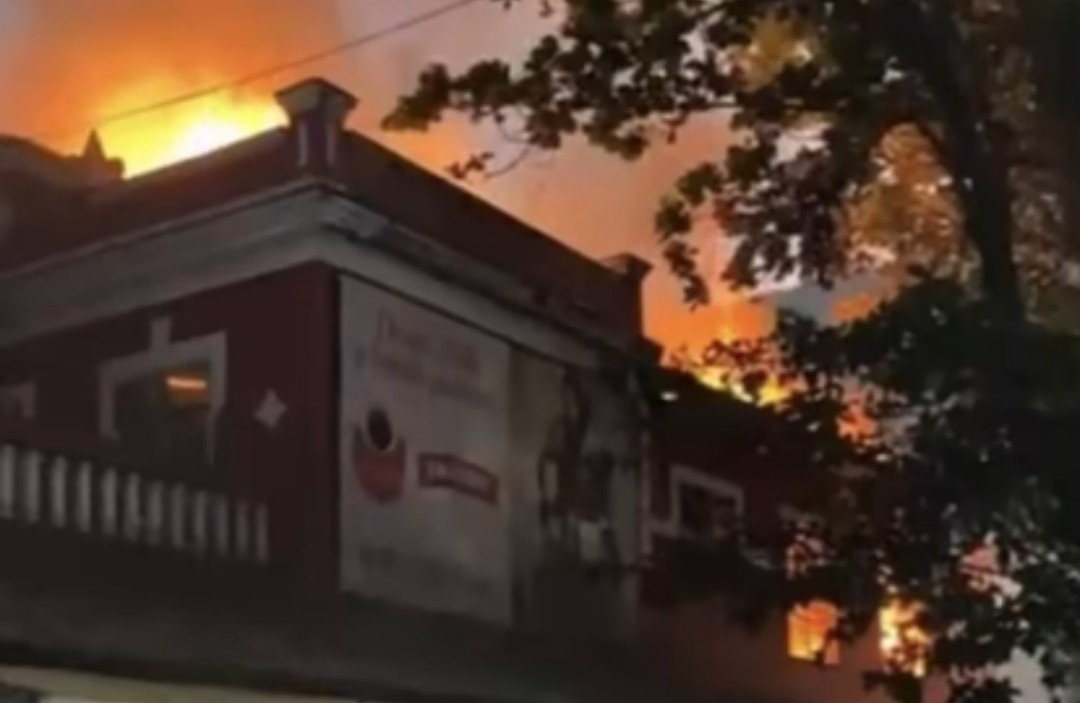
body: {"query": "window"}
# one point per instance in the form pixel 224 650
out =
pixel 165 415
pixel 701 506
pixel 704 514
pixel 809 628
pixel 161 404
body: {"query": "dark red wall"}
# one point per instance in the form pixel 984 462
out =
pixel 281 335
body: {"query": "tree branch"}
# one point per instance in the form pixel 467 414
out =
pixel 981 177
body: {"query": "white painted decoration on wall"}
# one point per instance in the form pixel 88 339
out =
pixel 424 508
pixel 271 410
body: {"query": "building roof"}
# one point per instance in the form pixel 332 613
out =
pixel 426 203
pixel 714 432
pixel 688 414
pixel 53 219
pixel 21 157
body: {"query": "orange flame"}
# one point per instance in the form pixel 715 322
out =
pixel 729 321
pixel 156 139
pixel 903 643
pixel 770 393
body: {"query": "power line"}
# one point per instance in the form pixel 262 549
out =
pixel 314 57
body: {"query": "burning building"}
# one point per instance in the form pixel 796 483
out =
pixel 300 416
pixel 297 418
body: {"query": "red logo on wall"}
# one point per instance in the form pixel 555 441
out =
pixel 378 456
pixel 452 473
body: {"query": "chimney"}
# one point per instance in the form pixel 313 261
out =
pixel 317 110
pixel 633 270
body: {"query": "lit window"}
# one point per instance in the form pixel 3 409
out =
pixel 164 415
pixel 161 403
pixel 186 387
pixel 903 643
pixel 809 630
pixel 810 627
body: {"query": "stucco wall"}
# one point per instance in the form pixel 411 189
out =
pixel 530 435
pixel 278 338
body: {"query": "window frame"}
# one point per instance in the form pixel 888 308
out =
pixel 682 475
pixel 161 355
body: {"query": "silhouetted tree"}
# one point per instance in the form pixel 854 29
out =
pixel 944 451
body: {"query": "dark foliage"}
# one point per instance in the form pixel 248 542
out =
pixel 965 444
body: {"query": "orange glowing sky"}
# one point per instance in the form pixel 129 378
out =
pixel 100 58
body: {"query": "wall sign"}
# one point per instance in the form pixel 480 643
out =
pixel 424 412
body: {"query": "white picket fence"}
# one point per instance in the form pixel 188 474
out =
pixel 58 492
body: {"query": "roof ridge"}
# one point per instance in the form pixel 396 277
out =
pixel 475 200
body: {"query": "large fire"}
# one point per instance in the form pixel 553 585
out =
pixel 903 643
pixel 149 141
pixel 188 128
pixel 102 59
pixel 771 392
pixel 728 321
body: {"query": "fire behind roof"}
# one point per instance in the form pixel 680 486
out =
pixel 100 58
